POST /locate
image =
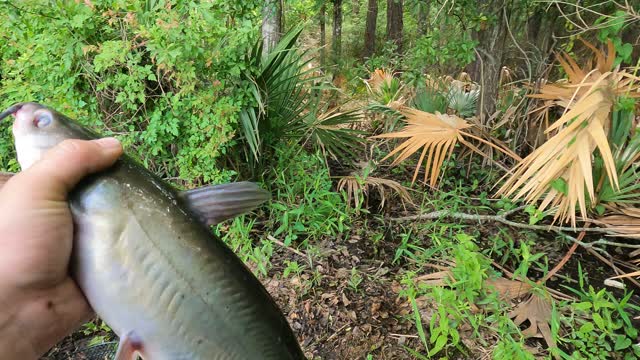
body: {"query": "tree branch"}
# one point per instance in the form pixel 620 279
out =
pixel 497 218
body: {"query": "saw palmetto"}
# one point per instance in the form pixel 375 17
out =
pixel 437 136
pixel 560 171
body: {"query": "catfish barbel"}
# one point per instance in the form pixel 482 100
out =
pixel 148 264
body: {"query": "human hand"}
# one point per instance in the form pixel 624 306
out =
pixel 39 302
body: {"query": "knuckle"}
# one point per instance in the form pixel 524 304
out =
pixel 70 145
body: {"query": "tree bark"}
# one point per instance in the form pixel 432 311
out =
pixel 271 24
pixel 541 27
pixel 323 34
pixel 395 23
pixel 355 6
pixel 490 52
pixel 370 29
pixel 337 30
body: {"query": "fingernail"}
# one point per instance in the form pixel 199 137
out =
pixel 108 142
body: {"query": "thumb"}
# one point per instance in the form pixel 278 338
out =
pixel 63 166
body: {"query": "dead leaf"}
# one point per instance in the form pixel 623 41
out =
pixel 507 289
pixel 537 310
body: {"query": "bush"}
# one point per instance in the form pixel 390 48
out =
pixel 164 77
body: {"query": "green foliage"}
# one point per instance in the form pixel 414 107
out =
pixel 99 331
pixel 602 325
pixel 611 30
pixel 355 279
pixel 430 100
pixel 304 207
pixel 163 77
pixel 443 51
pixel 624 140
pixel 453 302
pixel 463 103
pixel 283 105
pixel 237 236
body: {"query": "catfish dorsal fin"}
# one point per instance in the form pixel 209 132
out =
pixel 216 203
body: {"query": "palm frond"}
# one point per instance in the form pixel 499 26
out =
pixel 332 132
pixel 560 171
pixel 462 102
pixel 624 224
pixel 356 185
pixel 384 87
pixel 437 136
pixel 430 99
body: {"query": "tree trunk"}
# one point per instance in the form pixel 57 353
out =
pixel 490 52
pixel 394 23
pixel 370 29
pixel 540 29
pixel 337 30
pixel 323 34
pixel 271 24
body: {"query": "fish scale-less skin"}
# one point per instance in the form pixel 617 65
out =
pixel 182 292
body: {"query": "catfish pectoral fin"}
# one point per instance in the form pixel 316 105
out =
pixel 129 348
pixel 214 204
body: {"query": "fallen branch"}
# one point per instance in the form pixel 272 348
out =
pixel 497 218
pixel 297 252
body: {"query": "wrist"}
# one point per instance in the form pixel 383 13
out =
pixel 15 342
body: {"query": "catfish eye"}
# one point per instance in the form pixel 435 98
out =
pixel 42 120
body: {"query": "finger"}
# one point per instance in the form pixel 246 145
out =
pixel 62 167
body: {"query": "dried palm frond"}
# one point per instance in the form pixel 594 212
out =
pixel 378 79
pixel 560 170
pixel 356 185
pixel 384 87
pixel 625 224
pixel 437 134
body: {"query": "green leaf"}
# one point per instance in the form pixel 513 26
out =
pixel 560 185
pixel 622 342
pixel 440 343
pixel 598 320
pixel 587 328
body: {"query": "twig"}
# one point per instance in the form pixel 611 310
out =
pixel 498 218
pixel 612 265
pixel 610 243
pixel 295 251
pixel 403 335
pixel 336 333
pixel 563 261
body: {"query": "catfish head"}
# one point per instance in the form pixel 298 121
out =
pixel 37 129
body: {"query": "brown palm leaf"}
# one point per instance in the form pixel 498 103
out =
pixel 564 93
pixel 437 135
pixel 378 79
pixel 355 186
pixel 625 224
pixel 566 158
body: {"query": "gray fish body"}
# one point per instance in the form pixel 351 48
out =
pixel 158 276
